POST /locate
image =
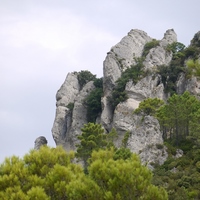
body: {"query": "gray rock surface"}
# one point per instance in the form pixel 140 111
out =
pixel 145 136
pixel 169 37
pixel 68 91
pixel 192 85
pixel 148 87
pixel 121 56
pixel 179 153
pixel 146 140
pixel 159 55
pixel 40 141
pixel 65 95
pixel 131 46
pixel 68 122
pixel 79 117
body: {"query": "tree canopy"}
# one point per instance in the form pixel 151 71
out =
pixel 51 174
pixel 92 138
pixel 178 118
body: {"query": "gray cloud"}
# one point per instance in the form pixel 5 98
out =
pixel 41 41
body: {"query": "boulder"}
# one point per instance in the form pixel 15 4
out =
pixel 40 141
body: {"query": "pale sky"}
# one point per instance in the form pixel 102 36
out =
pixel 41 41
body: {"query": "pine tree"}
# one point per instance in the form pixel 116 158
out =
pixel 50 174
pixel 179 116
pixel 123 179
pixel 92 138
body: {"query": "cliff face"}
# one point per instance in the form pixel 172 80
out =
pixel 145 135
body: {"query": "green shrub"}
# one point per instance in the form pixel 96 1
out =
pixel 148 46
pixel 192 52
pixel 186 145
pixel 93 101
pixel 175 47
pixel 159 146
pixel 194 67
pixel 122 153
pixel 171 150
pixel 195 41
pixel 169 75
pixel 70 106
pixel 172 165
pixel 134 73
pixel 84 77
pixel 149 106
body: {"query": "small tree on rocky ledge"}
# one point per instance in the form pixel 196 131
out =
pixel 92 138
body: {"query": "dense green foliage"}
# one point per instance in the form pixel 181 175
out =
pixel 93 101
pixel 50 174
pixel 92 138
pixel 171 72
pixel 176 47
pixel 179 118
pixel 84 77
pixel 148 46
pixel 149 106
pixel 169 75
pixel 123 179
pixel 194 67
pixel 180 176
pixel 134 73
pixel 40 175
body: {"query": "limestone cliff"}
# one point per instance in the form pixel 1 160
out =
pixel 145 136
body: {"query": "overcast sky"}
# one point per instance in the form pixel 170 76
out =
pixel 43 40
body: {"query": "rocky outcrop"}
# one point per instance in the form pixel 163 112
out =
pixel 148 87
pixel 159 55
pixel 65 95
pixel 78 117
pixel 40 141
pixel 192 85
pixel 71 111
pixel 130 47
pixel 121 56
pixel 145 139
pixel 145 136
